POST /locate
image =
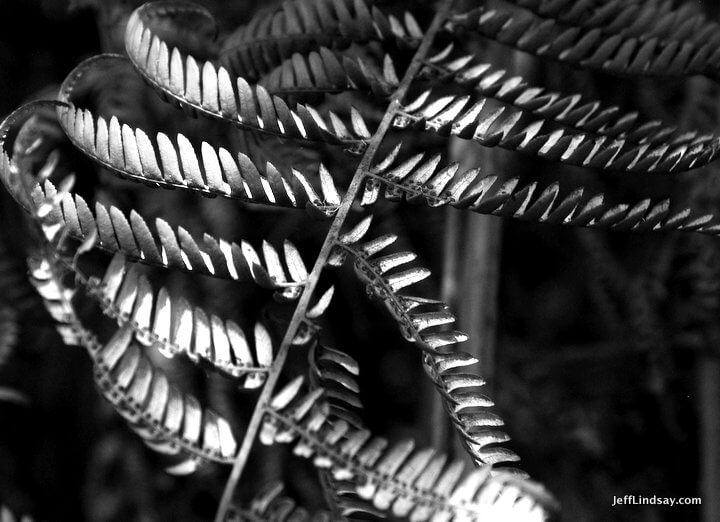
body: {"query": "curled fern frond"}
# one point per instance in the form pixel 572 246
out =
pixel 476 120
pixel 398 479
pixel 169 248
pixel 173 326
pixel 57 299
pixel 204 88
pixel 606 49
pixel 270 505
pixel 423 180
pixel 255 49
pixel 13 174
pixel 570 110
pixel 174 163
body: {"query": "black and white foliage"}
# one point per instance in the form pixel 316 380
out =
pixel 273 78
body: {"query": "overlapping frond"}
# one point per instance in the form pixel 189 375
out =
pixel 336 374
pixel 205 88
pixel 324 71
pixel 256 48
pixel 610 48
pixel 173 326
pixel 173 163
pixel 421 179
pixel 640 18
pixel 168 420
pixel 166 247
pixel 270 505
pixel 475 119
pixel 568 110
pixel 176 248
pixel 400 480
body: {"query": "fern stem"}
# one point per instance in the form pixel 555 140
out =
pixel 330 242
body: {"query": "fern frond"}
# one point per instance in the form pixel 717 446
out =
pixel 270 505
pixel 8 342
pixel 168 421
pixel 167 418
pixel 608 50
pixel 335 373
pixel 12 169
pixel 639 18
pixel 168 248
pixel 570 110
pixel 132 236
pixel 424 322
pixel 467 407
pixel 175 163
pixel 385 276
pixel 324 71
pixel 476 120
pixel 173 326
pixel 57 299
pixel 8 333
pixel 204 88
pixel 398 479
pixel 255 49
pixel 423 180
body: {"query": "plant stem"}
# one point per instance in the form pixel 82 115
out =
pixel 330 241
pixel 480 270
pixel 709 406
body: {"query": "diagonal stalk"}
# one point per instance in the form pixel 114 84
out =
pixel 330 241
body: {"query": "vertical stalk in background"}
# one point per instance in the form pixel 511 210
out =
pixel 470 277
pixel 709 413
pixel 702 111
pixel 471 262
pixel 480 272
